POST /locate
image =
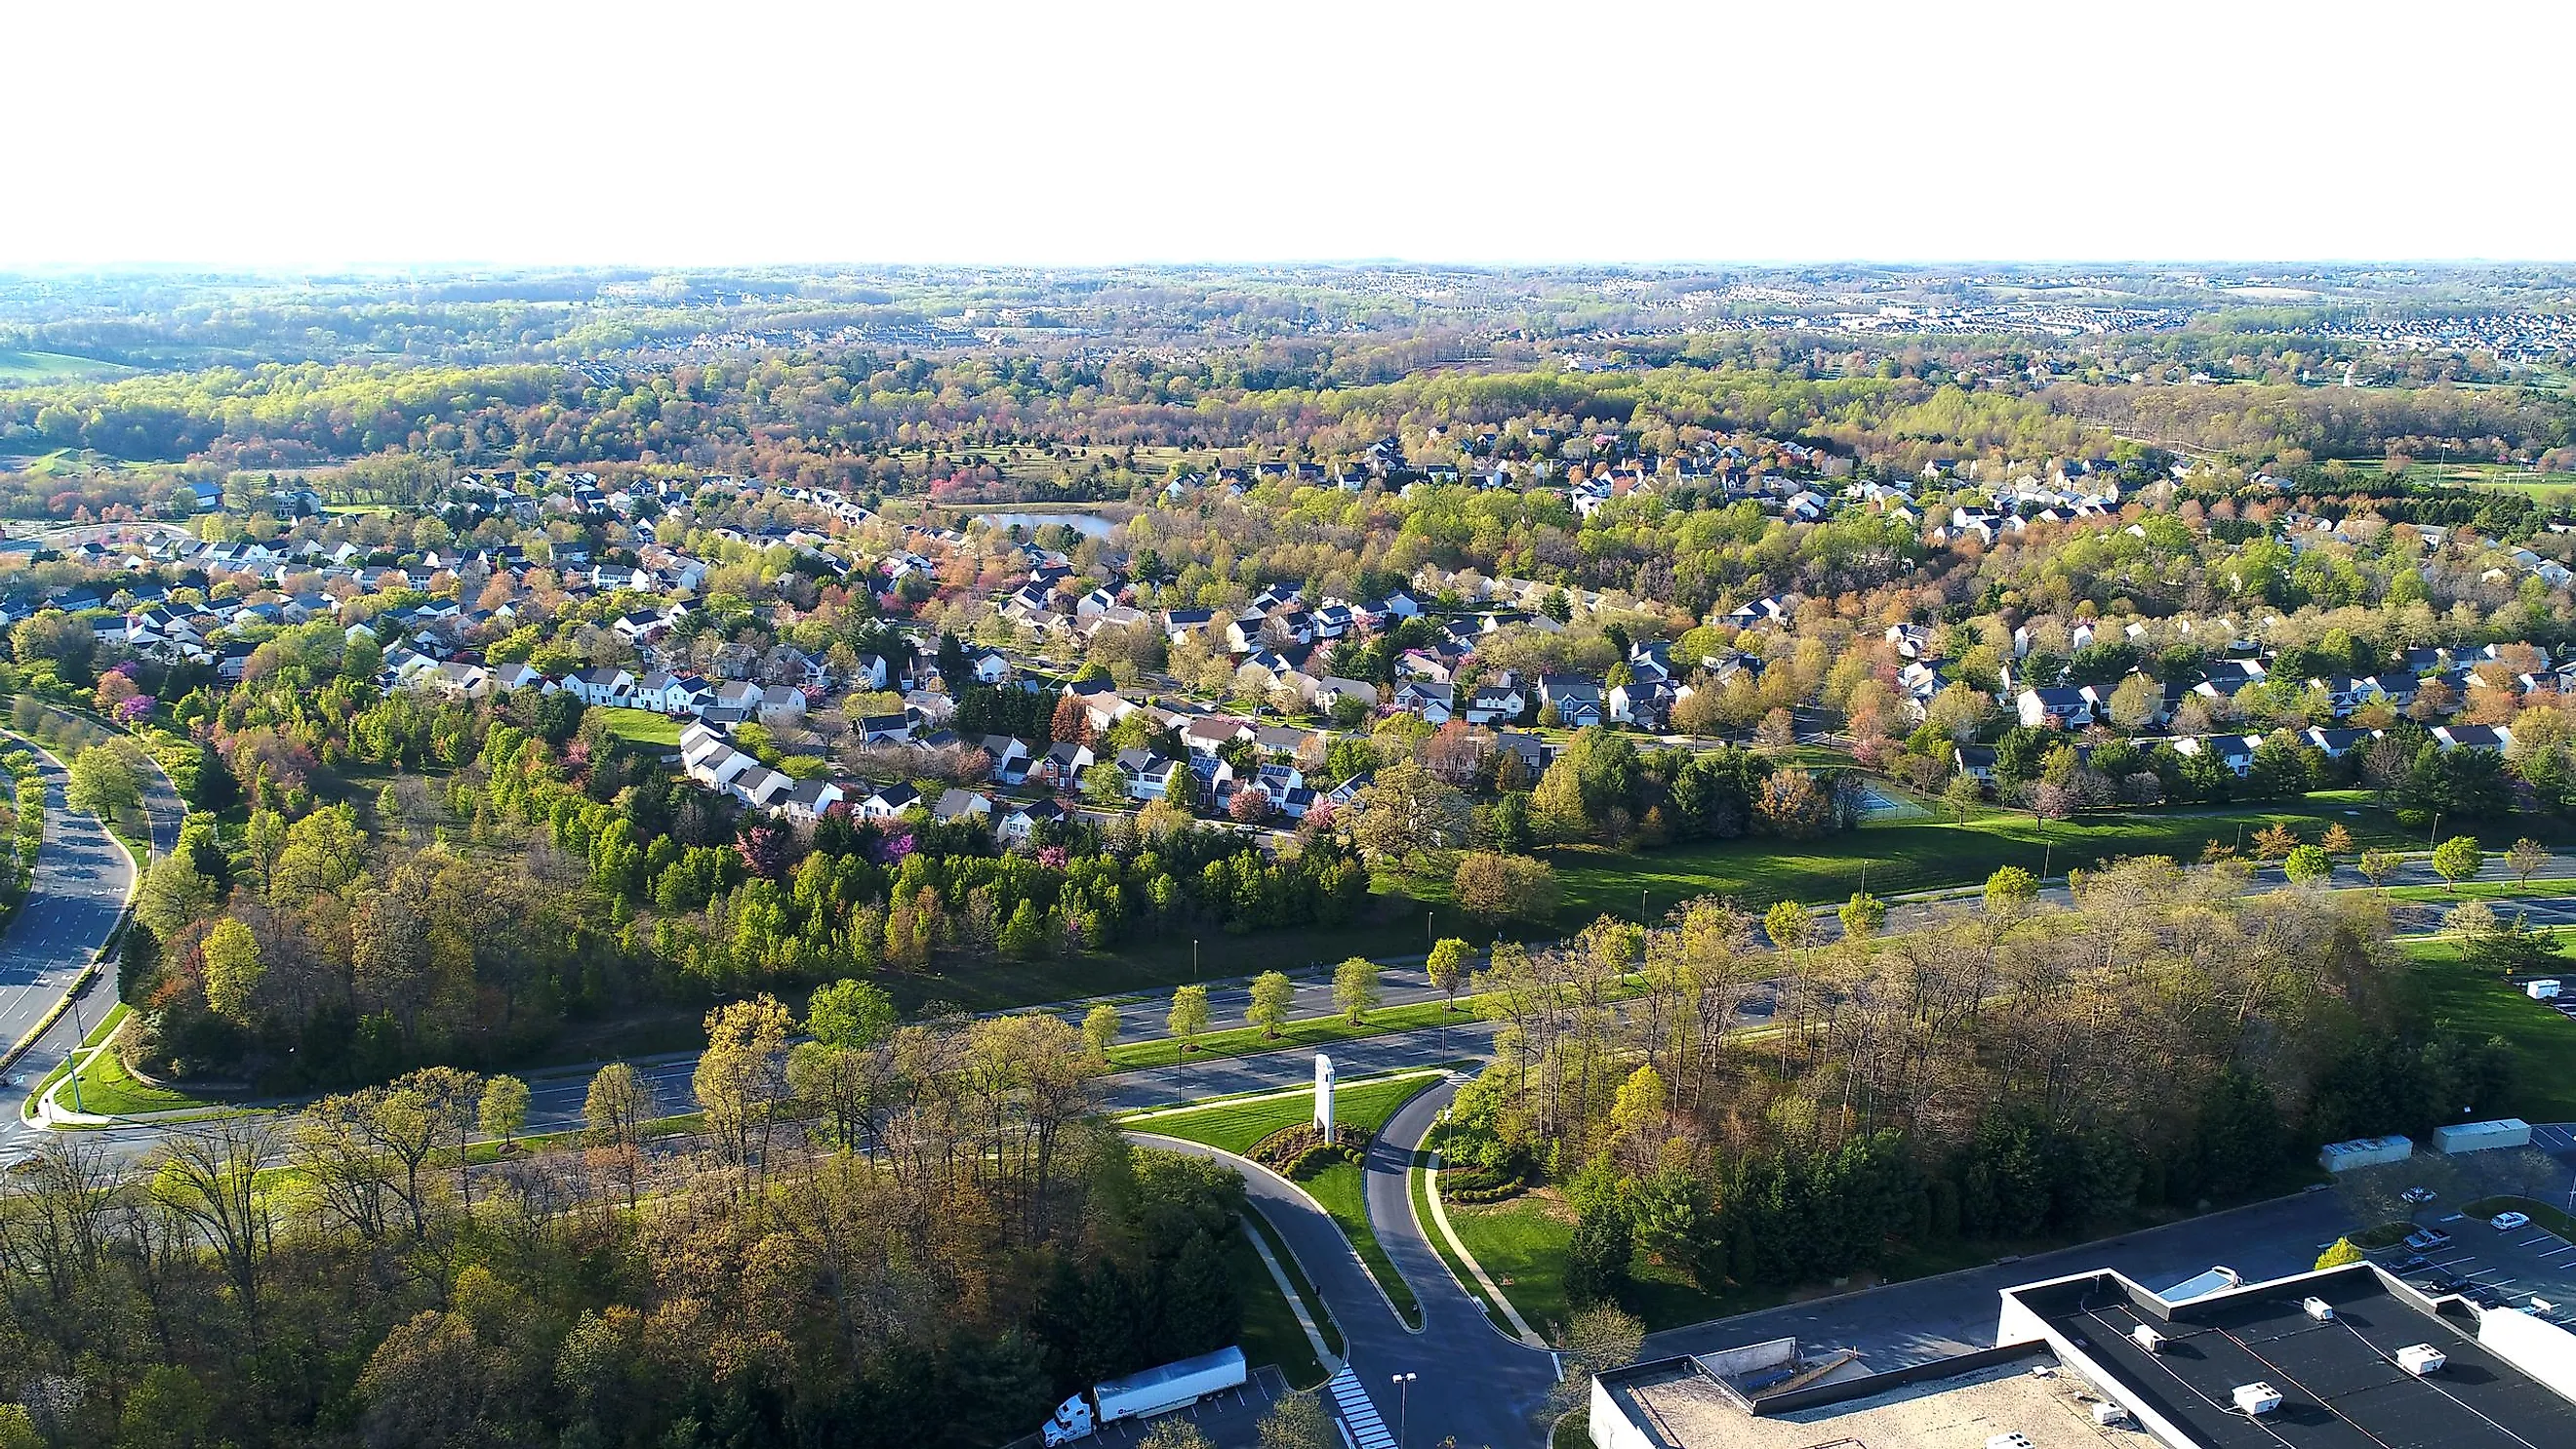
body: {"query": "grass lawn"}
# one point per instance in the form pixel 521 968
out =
pixel 1235 1126
pixel 1270 1331
pixel 2386 1235
pixel 642 726
pixel 24 367
pixel 2444 988
pixel 2484 890
pixel 1314 1301
pixel 1913 855
pixel 107 1089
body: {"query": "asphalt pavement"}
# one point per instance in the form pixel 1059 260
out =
pixel 82 877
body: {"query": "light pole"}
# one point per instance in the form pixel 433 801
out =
pixel 79 1033
pixel 1403 1405
pixel 1194 958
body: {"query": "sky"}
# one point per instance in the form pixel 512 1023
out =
pixel 744 132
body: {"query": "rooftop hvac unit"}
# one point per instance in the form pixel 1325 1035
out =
pixel 2014 1440
pixel 2421 1359
pixel 2257 1398
pixel 2147 1338
pixel 2319 1309
pixel 2107 1414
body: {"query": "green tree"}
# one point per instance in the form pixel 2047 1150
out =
pixel 2340 1254
pixel 1962 796
pixel 2379 867
pixel 1447 968
pixel 233 969
pixel 1295 1421
pixel 1025 933
pixel 1188 1018
pixel 2458 859
pixel 1100 1031
pixel 1355 988
pixel 2010 893
pixel 2307 865
pixel 504 1109
pixel 850 1013
pixel 103 783
pixel 1272 996
pixel 1863 916
pixel 1789 925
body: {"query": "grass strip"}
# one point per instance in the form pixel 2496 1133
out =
pixel 1235 1126
pixel 1343 1190
pixel 1270 1330
pixel 1418 1184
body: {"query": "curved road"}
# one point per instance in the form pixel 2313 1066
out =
pixel 82 878
pixel 1475 1386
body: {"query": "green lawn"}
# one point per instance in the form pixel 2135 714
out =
pixel 1314 1301
pixel 1235 1126
pixel 2483 890
pixel 642 726
pixel 1914 855
pixel 1270 1331
pixel 37 367
pixel 1419 1183
pixel 106 1088
pixel 2444 988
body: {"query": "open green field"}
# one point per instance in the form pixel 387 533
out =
pixel 2443 988
pixel 1916 855
pixel 41 367
pixel 108 1089
pixel 642 726
pixel 2437 473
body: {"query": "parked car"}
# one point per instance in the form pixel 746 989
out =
pixel 2446 1284
pixel 2417 1195
pixel 2413 1263
pixel 2426 1238
pixel 2507 1222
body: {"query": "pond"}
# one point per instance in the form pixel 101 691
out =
pixel 1089 525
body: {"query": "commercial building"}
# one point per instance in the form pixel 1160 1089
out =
pixel 2345 1358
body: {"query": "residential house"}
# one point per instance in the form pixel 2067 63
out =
pixel 889 802
pixel 1432 702
pixel 1062 766
pixel 1497 702
pixel 601 685
pixel 2055 708
pixel 1577 700
pixel 960 806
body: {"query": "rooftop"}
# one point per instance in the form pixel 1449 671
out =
pixel 2338 1376
pixel 1683 1405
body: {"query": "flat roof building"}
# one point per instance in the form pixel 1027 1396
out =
pixel 2345 1358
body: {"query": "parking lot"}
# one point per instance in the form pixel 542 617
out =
pixel 1230 1420
pixel 2513 1267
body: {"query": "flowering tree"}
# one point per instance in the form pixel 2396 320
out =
pixel 134 707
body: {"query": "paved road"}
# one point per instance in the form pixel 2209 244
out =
pixel 1477 1386
pixel 82 877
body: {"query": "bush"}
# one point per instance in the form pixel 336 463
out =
pixel 1300 1152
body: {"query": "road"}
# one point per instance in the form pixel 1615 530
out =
pixel 1475 1386
pixel 81 881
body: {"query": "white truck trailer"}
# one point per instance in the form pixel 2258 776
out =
pixel 1143 1395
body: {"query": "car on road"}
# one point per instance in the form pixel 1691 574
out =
pixel 2423 1238
pixel 2507 1222
pixel 2417 1195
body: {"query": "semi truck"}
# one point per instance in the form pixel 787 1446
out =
pixel 1143 1395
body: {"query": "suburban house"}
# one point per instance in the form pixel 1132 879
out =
pixel 2058 708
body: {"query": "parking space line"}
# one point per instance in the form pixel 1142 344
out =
pixel 2536 1242
pixel 2554 1252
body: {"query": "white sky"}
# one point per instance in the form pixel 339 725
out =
pixel 747 131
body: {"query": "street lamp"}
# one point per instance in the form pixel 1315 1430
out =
pixel 1403 1405
pixel 79 1033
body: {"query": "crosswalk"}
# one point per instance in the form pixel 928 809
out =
pixel 1360 1421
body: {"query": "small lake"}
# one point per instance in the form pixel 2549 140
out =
pixel 1089 525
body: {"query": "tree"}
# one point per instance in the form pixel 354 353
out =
pixel 1962 796
pixel 103 783
pixel 1863 916
pixel 1174 1432
pixel 850 1013
pixel 233 969
pixel 615 1110
pixel 2458 859
pixel 1188 1018
pixel 1273 994
pixel 1295 1421
pixel 1100 1031
pixel 2473 923
pixel 741 1078
pixel 1493 887
pixel 1405 812
pixel 2307 865
pixel 2340 1254
pixel 1597 1339
pixel 2135 703
pixel 1447 967
pixel 2275 842
pixel 1355 988
pixel 2524 858
pixel 1789 925
pixel 2337 840
pixel 2010 892
pixel 504 1109
pixel 2379 867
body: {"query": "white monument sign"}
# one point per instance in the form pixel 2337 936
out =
pixel 1324 1095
